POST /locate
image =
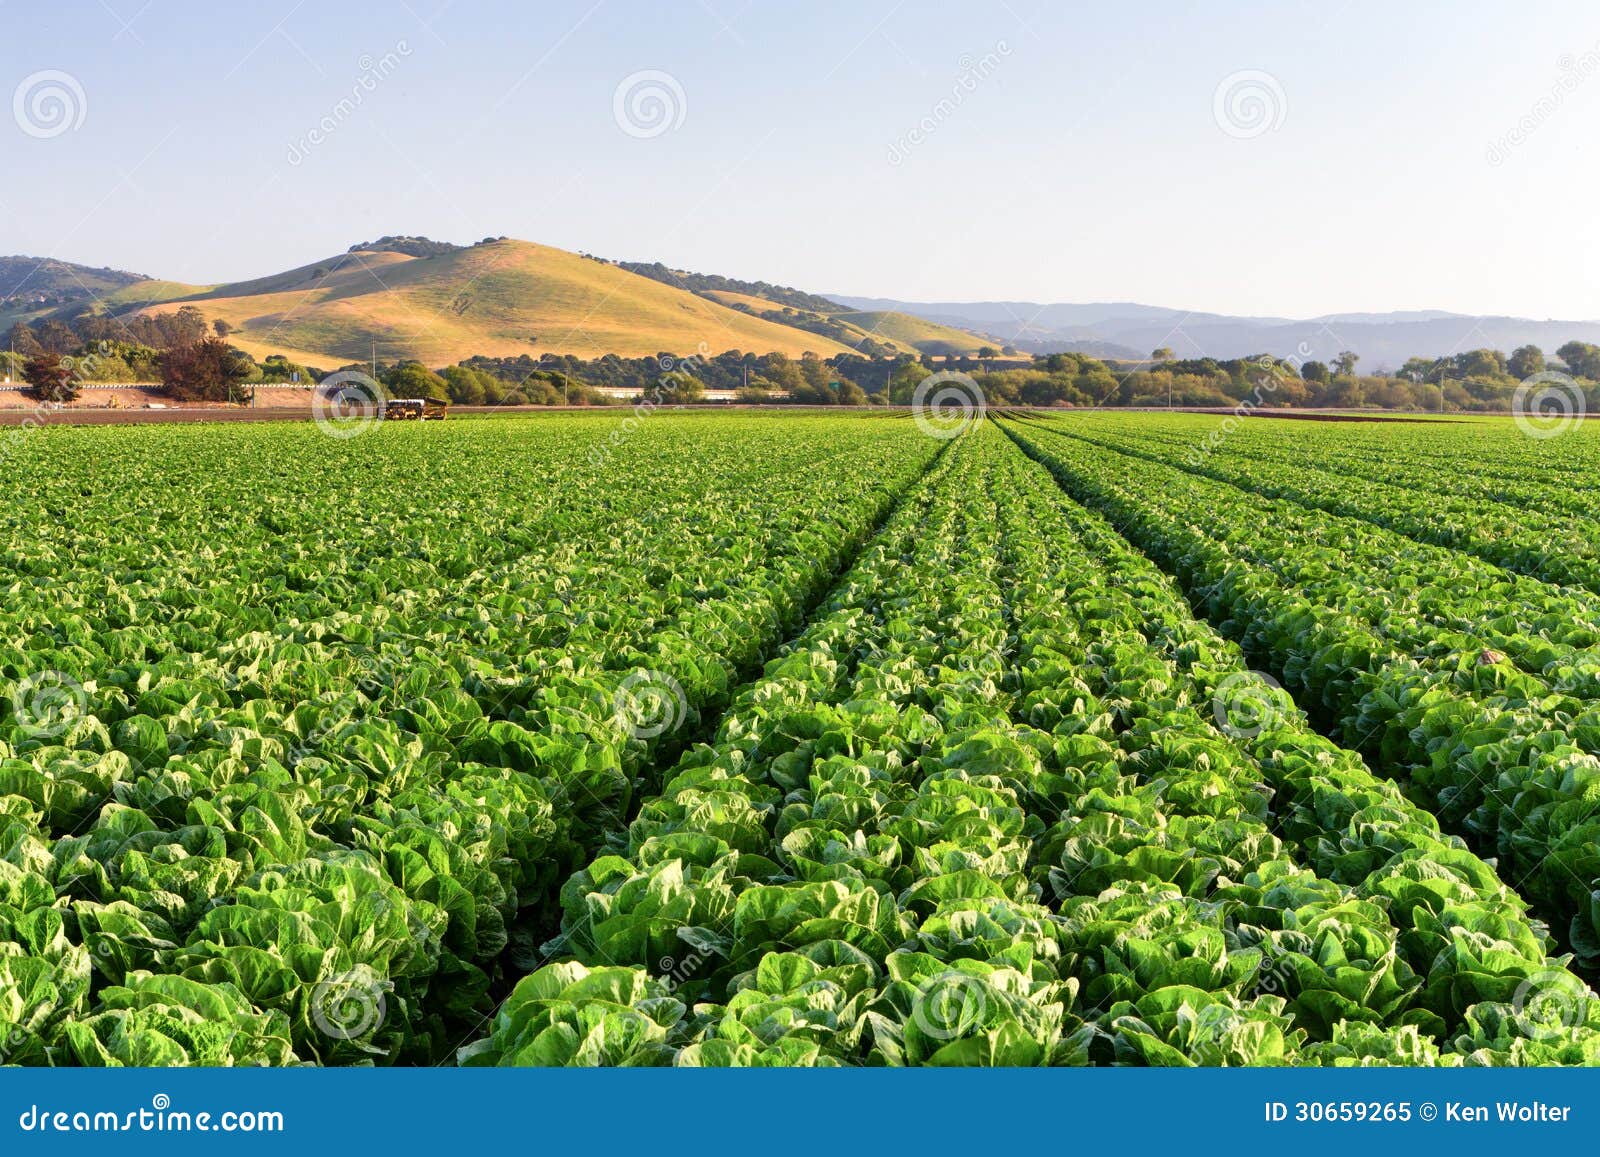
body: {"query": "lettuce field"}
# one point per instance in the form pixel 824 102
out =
pixel 752 739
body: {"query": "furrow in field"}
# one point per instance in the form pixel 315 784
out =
pixel 1263 441
pixel 267 857
pixel 1405 589
pixel 1239 800
pixel 852 871
pixel 1557 549
pixel 1494 752
pixel 786 861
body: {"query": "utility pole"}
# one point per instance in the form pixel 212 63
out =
pixel 374 359
pixel 1418 379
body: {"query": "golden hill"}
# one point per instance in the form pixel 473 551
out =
pixel 902 332
pixel 920 334
pixel 500 299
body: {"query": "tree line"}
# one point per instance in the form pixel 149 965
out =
pixel 188 354
pixel 193 360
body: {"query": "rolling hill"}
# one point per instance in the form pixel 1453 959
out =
pixel 498 298
pixel 871 333
pixel 439 302
pixel 33 288
pixel 919 334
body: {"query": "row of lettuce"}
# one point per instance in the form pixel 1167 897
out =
pixel 1474 686
pixel 290 774
pixel 1006 801
pixel 1529 522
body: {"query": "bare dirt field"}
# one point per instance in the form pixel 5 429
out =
pixel 119 417
pixel 139 398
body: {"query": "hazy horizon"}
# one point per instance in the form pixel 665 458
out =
pixel 1265 161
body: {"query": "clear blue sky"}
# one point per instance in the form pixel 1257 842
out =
pixel 1083 161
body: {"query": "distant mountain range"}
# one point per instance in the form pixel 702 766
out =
pixel 440 302
pixel 1129 330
